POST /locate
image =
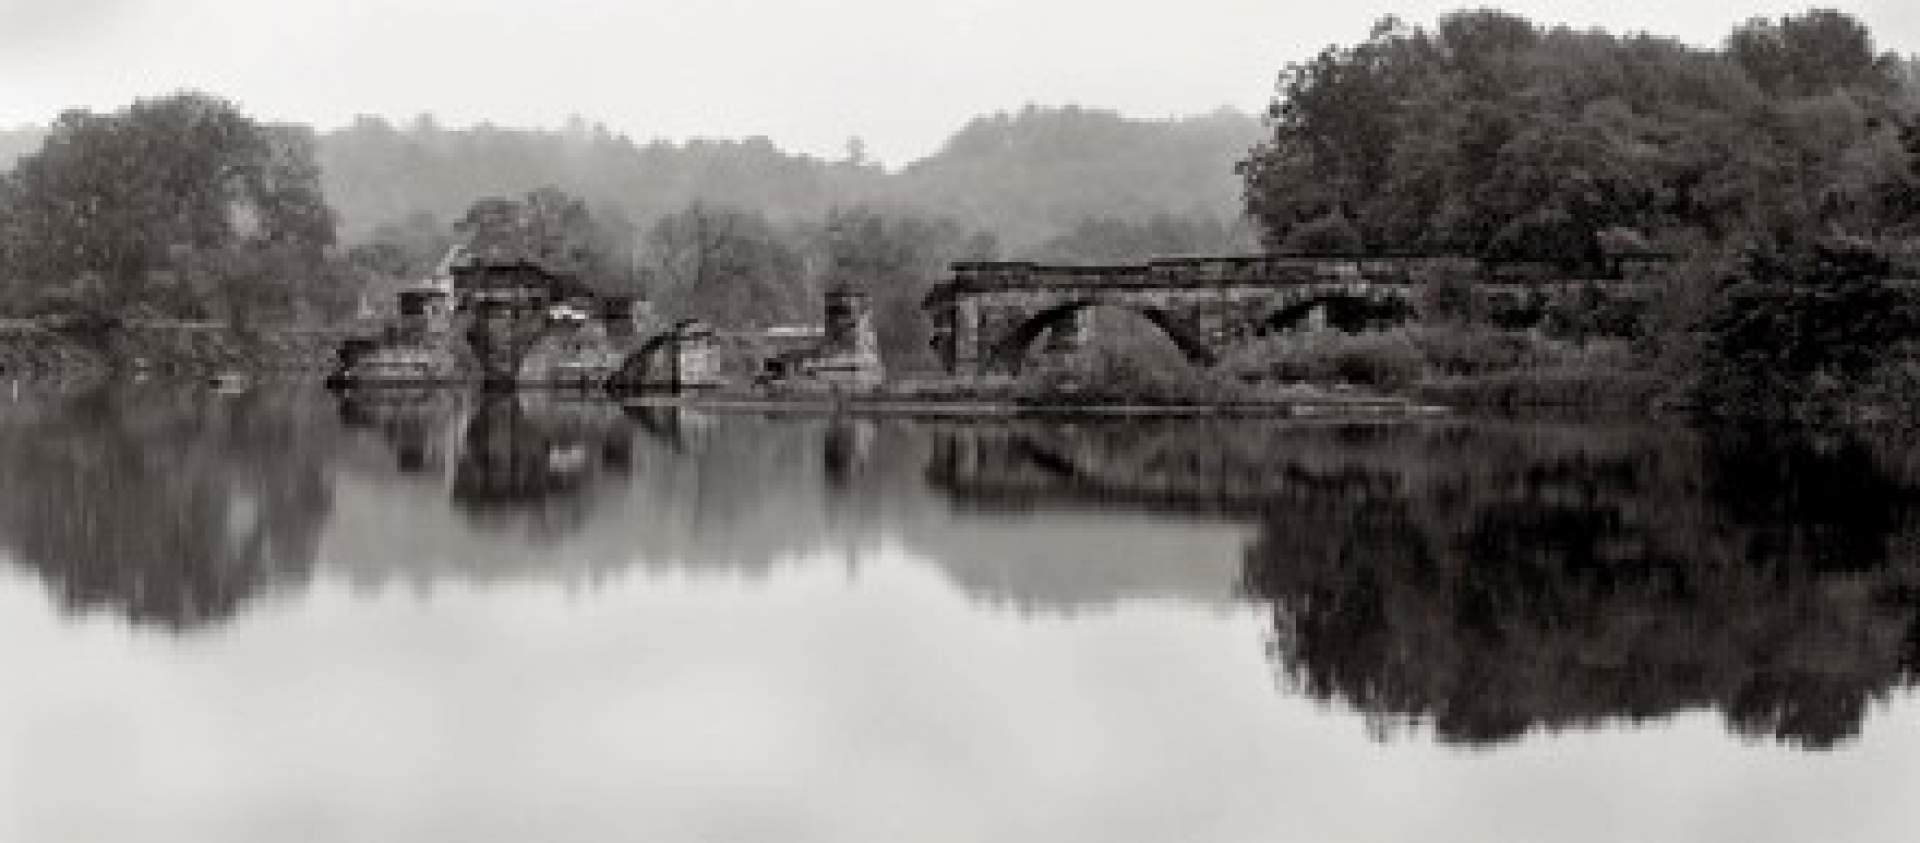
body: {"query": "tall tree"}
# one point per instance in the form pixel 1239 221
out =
pixel 556 229
pixel 114 205
pixel 724 265
pixel 1815 53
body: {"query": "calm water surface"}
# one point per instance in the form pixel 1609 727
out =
pixel 282 616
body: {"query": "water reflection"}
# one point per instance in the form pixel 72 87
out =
pixel 1480 580
pixel 1489 580
pixel 551 485
pixel 167 508
pixel 1493 582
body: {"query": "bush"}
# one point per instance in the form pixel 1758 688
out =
pixel 1463 350
pixel 1381 359
pixel 1799 330
pixel 1585 387
pixel 1105 376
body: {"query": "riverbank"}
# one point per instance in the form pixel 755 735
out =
pixel 1463 366
pixel 39 354
pixel 33 355
pixel 1325 407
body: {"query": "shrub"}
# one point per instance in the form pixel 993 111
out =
pixel 1379 359
pixel 1107 376
pixel 1463 350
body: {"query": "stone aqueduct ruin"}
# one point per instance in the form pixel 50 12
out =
pixel 988 316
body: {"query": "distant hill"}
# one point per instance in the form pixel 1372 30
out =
pixel 1026 176
pixel 1035 173
pixel 375 173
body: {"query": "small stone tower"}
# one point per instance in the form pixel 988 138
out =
pixel 849 323
pixel 849 351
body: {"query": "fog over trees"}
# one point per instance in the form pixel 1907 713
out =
pixel 1024 176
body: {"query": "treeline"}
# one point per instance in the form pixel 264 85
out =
pixel 1493 135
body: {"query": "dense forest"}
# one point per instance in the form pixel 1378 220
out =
pixel 1493 135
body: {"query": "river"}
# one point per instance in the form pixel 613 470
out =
pixel 432 616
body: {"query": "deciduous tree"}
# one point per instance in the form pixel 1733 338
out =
pixel 183 190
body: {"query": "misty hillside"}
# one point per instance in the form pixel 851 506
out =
pixel 1037 171
pixel 1026 176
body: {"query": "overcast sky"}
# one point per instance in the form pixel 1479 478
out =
pixel 807 73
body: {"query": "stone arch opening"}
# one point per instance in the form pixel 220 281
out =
pixel 644 365
pixel 1015 350
pixel 1339 311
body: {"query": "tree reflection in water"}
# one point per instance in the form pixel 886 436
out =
pixel 229 495
pixel 1501 582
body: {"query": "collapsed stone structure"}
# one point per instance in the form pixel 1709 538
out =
pixel 847 356
pixel 511 322
pixel 682 358
pixel 514 322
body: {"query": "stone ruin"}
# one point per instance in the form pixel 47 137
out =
pixel 847 357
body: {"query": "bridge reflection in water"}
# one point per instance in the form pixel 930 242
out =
pixel 1479 580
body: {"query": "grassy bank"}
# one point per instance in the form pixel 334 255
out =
pixel 1459 366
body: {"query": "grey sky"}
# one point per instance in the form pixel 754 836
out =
pixel 807 73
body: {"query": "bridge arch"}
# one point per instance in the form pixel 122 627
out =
pixel 650 365
pixel 1014 349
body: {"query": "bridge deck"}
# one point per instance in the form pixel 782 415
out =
pixel 1271 270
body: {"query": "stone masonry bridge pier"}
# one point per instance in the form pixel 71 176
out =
pixel 990 314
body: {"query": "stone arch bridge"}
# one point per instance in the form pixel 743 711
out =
pixel 990 314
